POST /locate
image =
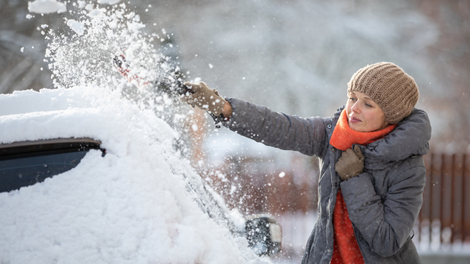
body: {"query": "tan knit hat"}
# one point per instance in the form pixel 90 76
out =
pixel 389 86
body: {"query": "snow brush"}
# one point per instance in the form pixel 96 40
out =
pixel 169 82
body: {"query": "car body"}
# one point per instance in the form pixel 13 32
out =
pixel 89 177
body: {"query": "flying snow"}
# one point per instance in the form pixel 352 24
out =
pixel 46 7
pixel 109 2
pixel 76 26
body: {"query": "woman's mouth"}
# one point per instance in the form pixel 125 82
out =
pixel 353 119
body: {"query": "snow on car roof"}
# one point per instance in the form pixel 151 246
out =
pixel 78 112
pixel 130 206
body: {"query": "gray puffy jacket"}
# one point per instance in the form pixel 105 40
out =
pixel 383 202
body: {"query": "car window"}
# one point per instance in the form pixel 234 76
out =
pixel 26 163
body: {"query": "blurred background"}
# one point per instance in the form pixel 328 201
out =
pixel 296 57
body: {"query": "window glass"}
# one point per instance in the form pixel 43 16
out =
pixel 26 164
pixel 16 173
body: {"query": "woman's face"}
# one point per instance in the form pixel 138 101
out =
pixel 364 115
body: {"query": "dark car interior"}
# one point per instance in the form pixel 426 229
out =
pixel 29 162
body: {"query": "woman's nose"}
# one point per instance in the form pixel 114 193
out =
pixel 356 108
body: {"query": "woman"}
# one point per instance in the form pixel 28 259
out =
pixel 372 171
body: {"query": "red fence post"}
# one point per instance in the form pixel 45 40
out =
pixel 466 198
pixel 454 198
pixel 436 195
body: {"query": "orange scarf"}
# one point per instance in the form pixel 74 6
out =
pixel 346 249
pixel 344 137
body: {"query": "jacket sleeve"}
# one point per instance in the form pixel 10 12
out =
pixel 306 135
pixel 385 224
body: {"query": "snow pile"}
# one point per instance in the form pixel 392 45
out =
pixel 130 206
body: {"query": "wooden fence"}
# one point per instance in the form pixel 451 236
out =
pixel 445 215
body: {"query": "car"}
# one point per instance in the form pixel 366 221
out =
pixel 87 176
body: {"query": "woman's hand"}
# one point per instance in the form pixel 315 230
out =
pixel 350 164
pixel 205 98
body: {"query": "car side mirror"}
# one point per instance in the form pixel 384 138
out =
pixel 264 235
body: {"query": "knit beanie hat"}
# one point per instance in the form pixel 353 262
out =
pixel 389 86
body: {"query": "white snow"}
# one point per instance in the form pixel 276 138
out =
pixel 46 7
pixel 76 26
pixel 131 206
pixel 109 2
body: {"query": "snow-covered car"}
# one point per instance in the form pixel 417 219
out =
pixel 89 177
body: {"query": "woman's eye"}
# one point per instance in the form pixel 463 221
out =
pixel 368 105
pixel 352 99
